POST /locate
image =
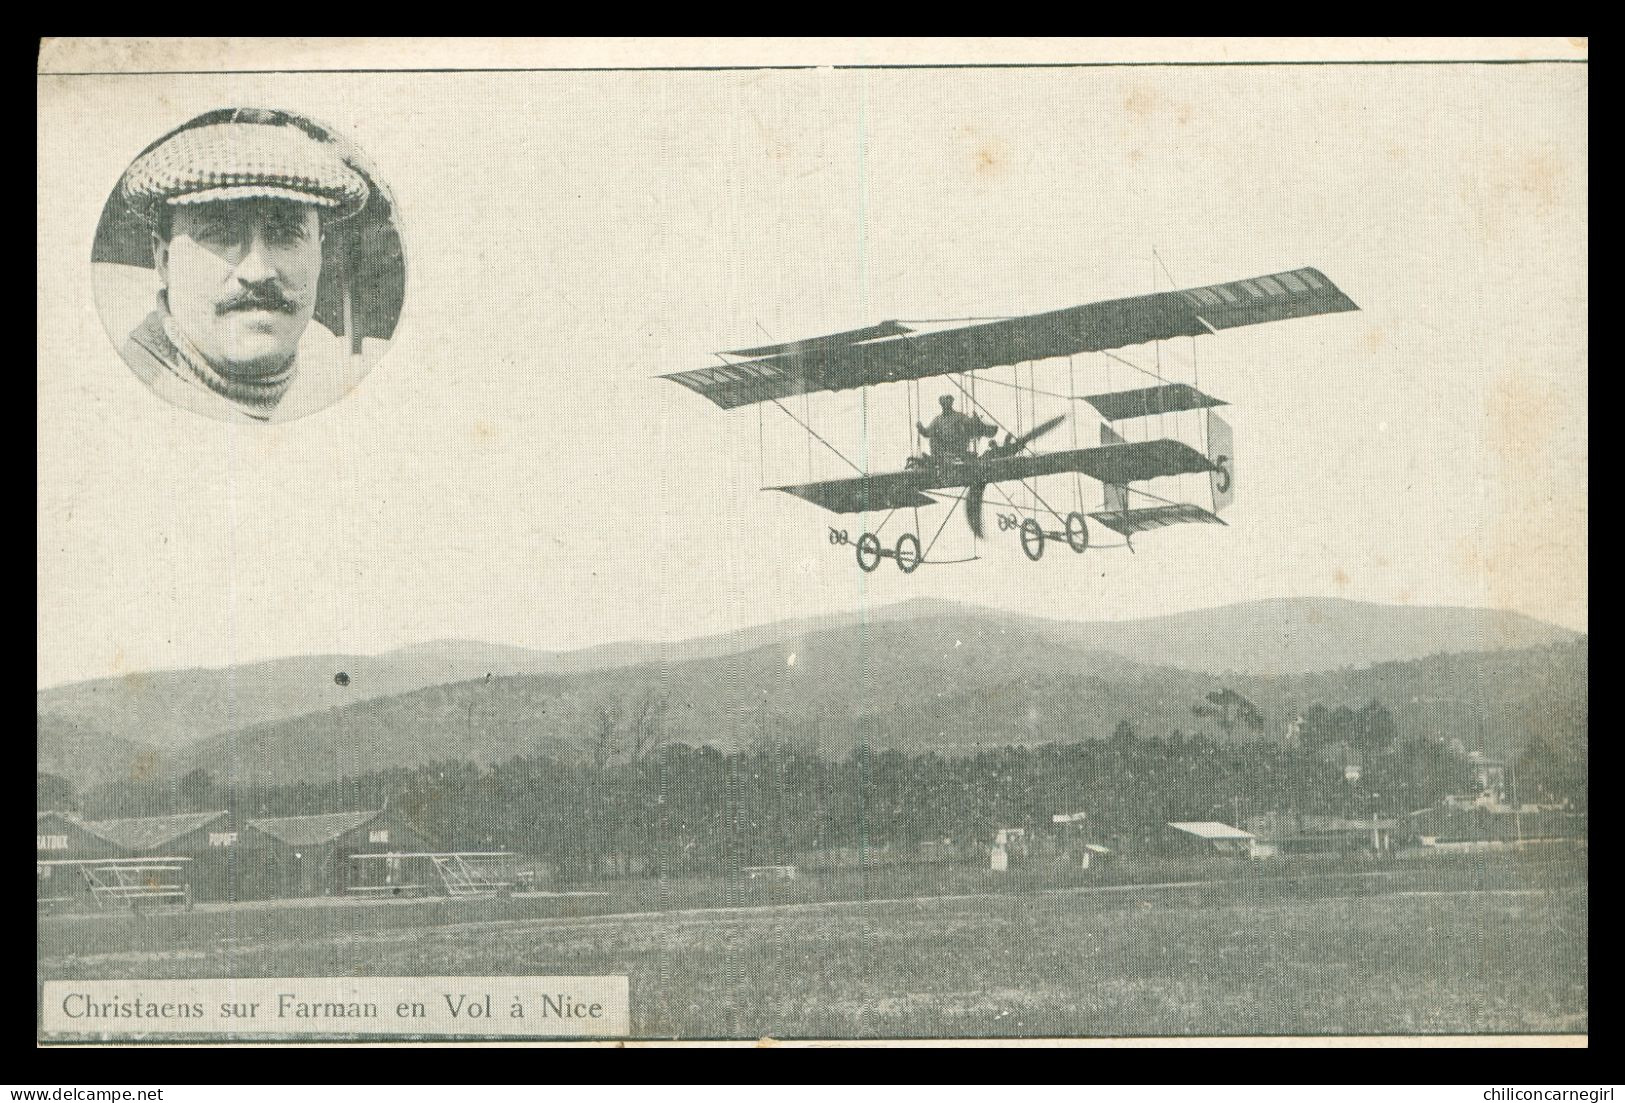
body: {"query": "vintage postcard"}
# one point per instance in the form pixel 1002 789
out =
pixel 1067 541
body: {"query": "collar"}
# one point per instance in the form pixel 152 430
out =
pixel 256 397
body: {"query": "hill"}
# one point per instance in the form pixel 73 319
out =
pixel 88 757
pixel 1304 635
pixel 949 684
pixel 169 709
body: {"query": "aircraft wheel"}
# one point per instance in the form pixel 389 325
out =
pixel 1032 539
pixel 1077 533
pixel 908 553
pixel 868 551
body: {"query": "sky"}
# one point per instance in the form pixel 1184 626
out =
pixel 512 470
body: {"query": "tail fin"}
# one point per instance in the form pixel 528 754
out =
pixel 1221 450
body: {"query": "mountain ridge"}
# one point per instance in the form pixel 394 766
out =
pixel 908 690
pixel 168 710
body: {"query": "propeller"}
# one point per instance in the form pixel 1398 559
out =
pixel 973 496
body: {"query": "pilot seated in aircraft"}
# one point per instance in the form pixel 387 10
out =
pixel 953 435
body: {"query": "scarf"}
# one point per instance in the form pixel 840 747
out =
pixel 257 397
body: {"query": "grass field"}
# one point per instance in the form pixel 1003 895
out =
pixel 1487 946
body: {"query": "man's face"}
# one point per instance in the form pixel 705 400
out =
pixel 241 278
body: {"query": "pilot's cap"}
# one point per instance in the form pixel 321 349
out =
pixel 947 400
pixel 240 159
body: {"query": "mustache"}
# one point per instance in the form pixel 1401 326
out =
pixel 259 298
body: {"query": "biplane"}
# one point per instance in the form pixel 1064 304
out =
pixel 897 353
pixel 455 873
pixel 115 881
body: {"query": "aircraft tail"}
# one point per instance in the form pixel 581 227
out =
pixel 1221 450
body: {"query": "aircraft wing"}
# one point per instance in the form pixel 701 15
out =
pixel 860 358
pixel 1113 464
pixel 828 341
pixel 1167 398
pixel 1127 522
pixel 1110 463
pixel 866 493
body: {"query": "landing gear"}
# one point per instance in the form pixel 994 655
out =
pixel 1077 533
pixel 908 553
pixel 869 552
pixel 1032 539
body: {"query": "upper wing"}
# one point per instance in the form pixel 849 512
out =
pixel 1090 328
pixel 832 340
pixel 865 492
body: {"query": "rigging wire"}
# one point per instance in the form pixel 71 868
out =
pixel 912 432
pixel 863 437
pixel 948 496
pixel 1202 429
pixel 863 428
pixel 1162 429
pixel 1196 381
pixel 919 416
pixel 1015 374
pixel 1032 420
pixel 1038 498
pixel 1154 497
pixel 971 394
pixel 944 496
pixel 1130 363
pixel 1110 387
pixel 1013 504
pixel 1164 264
pixel 913 422
pixel 1037 390
pixel 813 435
pixel 1032 389
pixel 1033 488
pixel 946 517
pixel 1072 416
pixel 1201 423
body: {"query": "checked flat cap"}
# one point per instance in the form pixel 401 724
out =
pixel 243 160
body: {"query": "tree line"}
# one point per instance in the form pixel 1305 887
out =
pixel 633 801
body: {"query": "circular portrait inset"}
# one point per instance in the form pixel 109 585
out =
pixel 248 266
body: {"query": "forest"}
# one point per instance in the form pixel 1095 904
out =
pixel 630 797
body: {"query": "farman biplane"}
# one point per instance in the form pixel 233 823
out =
pixel 952 470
